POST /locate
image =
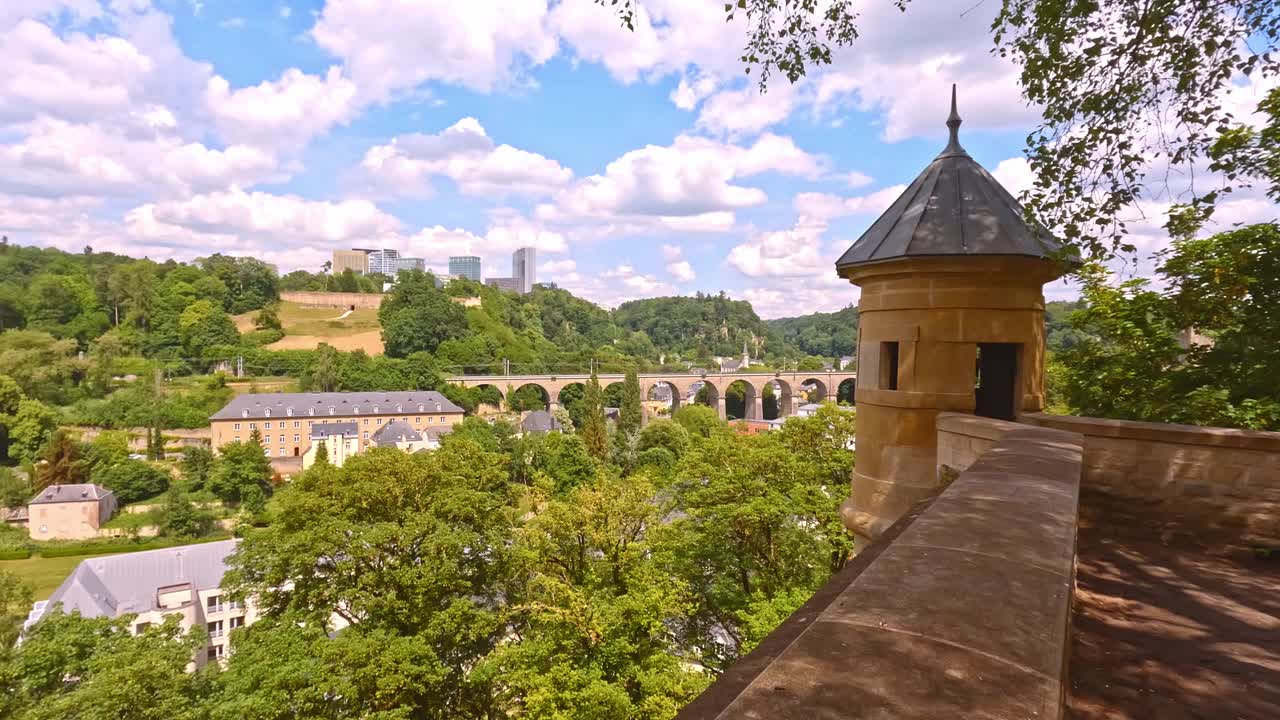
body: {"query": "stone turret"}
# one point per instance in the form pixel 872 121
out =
pixel 951 318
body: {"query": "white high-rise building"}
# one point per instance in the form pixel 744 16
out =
pixel 522 269
pixel 384 261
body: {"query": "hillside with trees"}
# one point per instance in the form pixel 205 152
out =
pixel 826 334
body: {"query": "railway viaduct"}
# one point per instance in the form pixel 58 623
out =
pixel 825 383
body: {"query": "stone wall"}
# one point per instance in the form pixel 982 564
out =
pixel 962 439
pixel 960 610
pixel 1223 481
pixel 333 299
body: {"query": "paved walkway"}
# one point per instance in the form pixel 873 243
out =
pixel 1169 626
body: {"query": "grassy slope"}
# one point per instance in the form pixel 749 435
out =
pixel 307 327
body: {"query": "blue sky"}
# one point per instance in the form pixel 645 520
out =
pixel 638 163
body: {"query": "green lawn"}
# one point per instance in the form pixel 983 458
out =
pixel 44 575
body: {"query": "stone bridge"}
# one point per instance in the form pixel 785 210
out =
pixel 825 384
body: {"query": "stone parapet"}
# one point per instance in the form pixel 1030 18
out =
pixel 962 608
pixel 333 299
pixel 1223 481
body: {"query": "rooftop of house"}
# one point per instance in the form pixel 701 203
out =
pixel 79 492
pixel 331 429
pixel 269 405
pixel 954 208
pixel 112 585
pixel 396 431
pixel 539 421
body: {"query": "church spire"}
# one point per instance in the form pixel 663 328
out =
pixel 953 125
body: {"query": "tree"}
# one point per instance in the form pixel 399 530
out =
pixel 61 462
pixel 133 480
pixel 666 434
pixel 268 318
pixel 15 490
pixel 183 519
pixel 759 531
pixel 593 640
pixel 196 465
pixel 242 473
pixel 15 604
pixel 1131 361
pixel 70 666
pixel 631 413
pixel 203 326
pixel 593 431
pixel 699 420
pixel 417 316
pixel 322 453
pixel 420 575
pixel 30 427
pixel 324 371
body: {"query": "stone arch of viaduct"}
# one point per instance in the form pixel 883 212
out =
pixel 680 383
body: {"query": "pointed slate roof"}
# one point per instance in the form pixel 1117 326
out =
pixel 955 207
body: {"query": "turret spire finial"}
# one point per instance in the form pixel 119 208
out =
pixel 953 124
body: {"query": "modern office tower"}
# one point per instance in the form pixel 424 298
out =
pixel 357 261
pixel 466 266
pixel 522 268
pixel 384 261
pixel 504 284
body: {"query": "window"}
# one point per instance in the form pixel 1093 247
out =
pixel 431 420
pixel 215 652
pixel 267 412
pixel 888 366
pixel 266 439
pixel 442 418
pixel 266 426
pixel 215 629
pixel 366 421
pixel 237 438
pixel 399 408
pixel 235 622
pixel 296 423
pixel 213 604
pixel 308 423
pixel 282 438
pixel 330 410
pixel 234 604
pixel 417 421
pixel 295 437
pixel 253 426
pixel 381 420
pixel 141 628
pixel 237 426
pixel 366 434
pixel 311 411
pixel 289 412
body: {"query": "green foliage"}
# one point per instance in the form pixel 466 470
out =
pixel 196 465
pixel 560 459
pixel 74 667
pixel 183 519
pixel 527 397
pixel 592 428
pixel 44 368
pixel 203 326
pixel 61 461
pixel 15 490
pixel 631 414
pixel 15 603
pixel 699 421
pixel 268 318
pixel 30 428
pixel 111 546
pixel 825 334
pixel 417 316
pixel 686 323
pixel 1131 363
pixel 132 480
pixel 242 474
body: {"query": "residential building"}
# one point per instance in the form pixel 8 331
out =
pixel 156 584
pixel 384 261
pixel 341 440
pixel 510 284
pixel 465 266
pixel 69 512
pixel 523 269
pixel 400 434
pixel 357 261
pixel 846 361
pixel 285 421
